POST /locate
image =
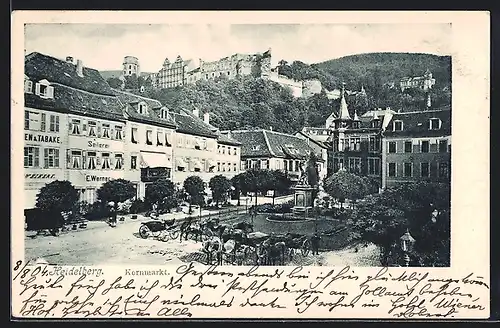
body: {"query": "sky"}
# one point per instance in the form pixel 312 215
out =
pixel 103 46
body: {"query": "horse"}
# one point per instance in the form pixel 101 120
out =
pixel 211 246
pixel 274 252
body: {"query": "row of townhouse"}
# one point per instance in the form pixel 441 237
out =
pixel 77 128
pixel 391 147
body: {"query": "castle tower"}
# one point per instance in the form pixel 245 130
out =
pixel 131 66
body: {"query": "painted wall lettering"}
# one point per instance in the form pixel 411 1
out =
pixel 90 178
pixel 96 144
pixel 41 138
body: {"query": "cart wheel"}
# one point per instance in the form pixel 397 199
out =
pixel 174 234
pixel 306 247
pixel 144 232
pixel 163 236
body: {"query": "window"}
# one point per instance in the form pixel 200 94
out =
pixel 51 158
pixel 355 165
pixel 28 86
pixel 105 131
pixel 424 170
pixel 264 164
pixel 197 144
pixel 142 108
pixel 443 170
pixel 392 146
pixel 407 170
pixel 218 166
pixel 44 90
pixel 290 165
pixel 164 114
pixel 75 127
pixel 106 161
pixel 397 126
pixel 168 141
pixel 54 123
pixel 373 166
pixel 118 132
pixel 235 151
pixel 355 144
pixel 133 137
pixel 92 128
pixel 76 159
pixel 374 123
pixel 159 138
pixel 223 149
pixel 373 144
pixel 443 146
pixel 235 166
pixel 338 164
pixel 133 162
pixel 434 124
pixel 392 170
pixel 256 147
pixel 118 161
pixel 31 156
pixel 32 121
pixel 424 146
pixel 91 160
pixel 43 121
pixel 408 146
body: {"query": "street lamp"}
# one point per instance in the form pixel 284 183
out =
pixel 407 241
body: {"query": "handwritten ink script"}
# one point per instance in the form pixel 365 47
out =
pixel 193 290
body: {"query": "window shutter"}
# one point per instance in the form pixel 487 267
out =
pixel 50 92
pixel 98 159
pixel 37 89
pixel 84 159
pixel 99 130
pixel 112 133
pixel 84 127
pixel 43 121
pixel 36 162
pixel 123 133
pixel 46 157
pixel 68 158
pixel 111 162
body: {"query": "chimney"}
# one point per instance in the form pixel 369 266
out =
pixel 206 118
pixel 196 112
pixel 79 68
pixel 270 128
pixel 69 59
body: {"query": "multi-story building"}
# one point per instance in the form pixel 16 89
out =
pixel 150 132
pixel 79 129
pixel 266 149
pixel 417 147
pixel 174 74
pixel 425 82
pixel 131 66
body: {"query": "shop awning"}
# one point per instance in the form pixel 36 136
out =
pixel 155 160
pixel 179 162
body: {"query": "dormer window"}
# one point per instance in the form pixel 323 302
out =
pixel 256 147
pixel 435 124
pixel 374 123
pixel 28 86
pixel 142 108
pixel 164 113
pixel 397 126
pixel 44 90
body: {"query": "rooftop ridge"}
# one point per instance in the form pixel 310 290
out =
pixel 267 143
pixel 84 91
pixel 141 97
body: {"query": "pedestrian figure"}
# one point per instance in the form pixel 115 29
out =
pixel 113 214
pixel 315 243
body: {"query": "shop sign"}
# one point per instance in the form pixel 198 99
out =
pixel 41 138
pixel 95 178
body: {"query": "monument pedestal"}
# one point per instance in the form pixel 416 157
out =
pixel 303 200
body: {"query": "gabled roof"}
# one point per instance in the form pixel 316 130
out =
pixel 88 95
pixel 416 124
pixel 38 66
pixel 271 144
pixel 190 125
pixel 152 115
pixel 227 140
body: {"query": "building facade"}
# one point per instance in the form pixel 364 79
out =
pixel 174 74
pixel 319 147
pixel 417 147
pixel 78 128
pixel 266 149
pixel 425 82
